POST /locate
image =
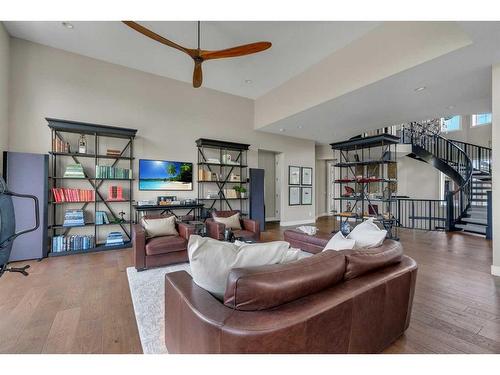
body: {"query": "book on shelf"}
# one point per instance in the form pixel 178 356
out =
pixel 101 217
pixel 74 170
pixel 72 195
pixel 74 242
pixel 113 152
pixel 104 171
pixel 115 193
pixel 60 146
pixel 114 239
pixel 73 218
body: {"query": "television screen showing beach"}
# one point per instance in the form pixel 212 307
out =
pixel 165 175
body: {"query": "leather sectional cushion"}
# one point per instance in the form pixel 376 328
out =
pixel 165 244
pixel 360 262
pixel 265 287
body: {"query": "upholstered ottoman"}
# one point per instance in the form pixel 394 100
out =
pixel 312 244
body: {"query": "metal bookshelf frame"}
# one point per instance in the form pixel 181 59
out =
pixel 58 129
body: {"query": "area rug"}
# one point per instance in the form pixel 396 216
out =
pixel 147 289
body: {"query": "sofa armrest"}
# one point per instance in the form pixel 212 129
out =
pixel 215 230
pixel 186 230
pixel 252 226
pixel 139 244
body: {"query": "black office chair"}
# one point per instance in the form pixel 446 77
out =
pixel 8 227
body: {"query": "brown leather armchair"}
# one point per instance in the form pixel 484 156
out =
pixel 350 301
pixel 250 228
pixel 160 251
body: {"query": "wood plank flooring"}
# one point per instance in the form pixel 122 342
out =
pixel 82 304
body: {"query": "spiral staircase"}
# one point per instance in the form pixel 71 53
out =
pixel 467 203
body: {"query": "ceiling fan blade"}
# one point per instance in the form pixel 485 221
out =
pixel 243 50
pixel 197 74
pixel 151 34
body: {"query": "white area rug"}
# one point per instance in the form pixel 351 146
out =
pixel 148 296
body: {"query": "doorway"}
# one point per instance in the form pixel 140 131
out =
pixel 269 161
pixel 333 189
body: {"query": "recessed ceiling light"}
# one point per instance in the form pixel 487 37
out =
pixel 68 25
pixel 300 126
pixel 451 107
pixel 282 130
pixel 421 88
pixel 248 81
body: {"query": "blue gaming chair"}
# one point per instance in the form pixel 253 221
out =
pixel 8 226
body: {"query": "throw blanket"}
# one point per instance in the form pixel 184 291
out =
pixel 308 229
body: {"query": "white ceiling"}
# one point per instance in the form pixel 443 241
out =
pixel 456 83
pixel 296 47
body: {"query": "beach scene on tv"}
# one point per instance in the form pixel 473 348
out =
pixel 165 175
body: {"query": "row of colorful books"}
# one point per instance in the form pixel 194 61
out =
pixel 114 239
pixel 73 195
pixel 74 242
pixel 73 218
pixel 104 171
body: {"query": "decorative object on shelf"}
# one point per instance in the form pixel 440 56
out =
pixel 234 177
pixel 345 228
pixel 82 144
pixel 240 191
pixel 293 195
pixel 212 195
pixel 348 206
pixel 230 193
pixel 387 194
pixel 146 202
pixel 306 176
pixel 306 195
pixel 74 171
pixel 73 218
pixel 293 175
pixel 165 175
pixel 349 192
pixel 114 239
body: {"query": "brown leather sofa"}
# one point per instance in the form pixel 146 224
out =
pixel 160 251
pixel 312 244
pixel 333 302
pixel 250 228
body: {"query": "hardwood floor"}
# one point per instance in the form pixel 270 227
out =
pixel 81 303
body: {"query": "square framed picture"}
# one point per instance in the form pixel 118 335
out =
pixel 306 196
pixel 293 175
pixel 293 196
pixel 306 176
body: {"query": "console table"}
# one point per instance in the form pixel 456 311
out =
pixel 194 208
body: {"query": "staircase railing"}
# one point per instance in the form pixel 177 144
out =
pixel 458 199
pixel 480 156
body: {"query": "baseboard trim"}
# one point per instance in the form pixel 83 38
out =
pixel 298 222
pixel 495 270
pixel 271 219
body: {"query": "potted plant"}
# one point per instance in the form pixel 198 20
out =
pixel 240 191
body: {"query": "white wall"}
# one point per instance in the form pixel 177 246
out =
pixel 4 88
pixel 321 188
pixel 417 179
pixel 477 135
pixel 170 115
pixel 495 97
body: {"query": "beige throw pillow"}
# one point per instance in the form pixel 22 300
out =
pixel 212 260
pixel 157 227
pixel 232 222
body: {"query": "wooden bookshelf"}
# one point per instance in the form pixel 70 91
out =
pixel 98 137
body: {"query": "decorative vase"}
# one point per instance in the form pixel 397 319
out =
pixel 82 144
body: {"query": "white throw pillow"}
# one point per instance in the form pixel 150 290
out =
pixel 308 229
pixel 157 227
pixel 367 235
pixel 339 242
pixel 212 260
pixel 232 222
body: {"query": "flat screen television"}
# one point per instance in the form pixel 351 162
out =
pixel 165 175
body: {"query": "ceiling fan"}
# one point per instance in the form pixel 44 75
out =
pixel 199 55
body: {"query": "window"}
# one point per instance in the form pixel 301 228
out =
pixel 450 124
pixel 481 119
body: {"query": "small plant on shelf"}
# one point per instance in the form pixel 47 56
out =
pixel 240 191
